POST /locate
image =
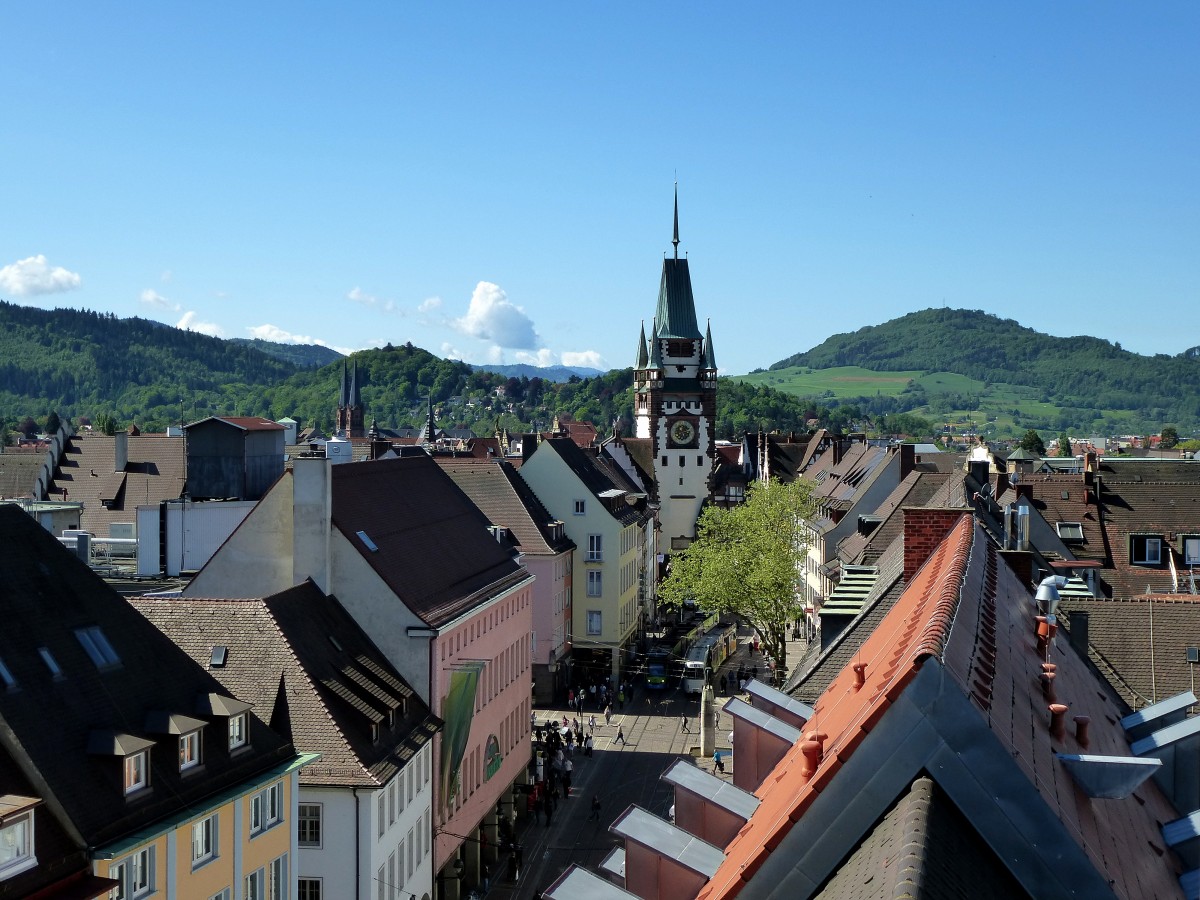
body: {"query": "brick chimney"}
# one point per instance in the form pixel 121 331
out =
pixel 924 529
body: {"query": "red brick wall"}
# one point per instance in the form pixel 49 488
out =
pixel 924 529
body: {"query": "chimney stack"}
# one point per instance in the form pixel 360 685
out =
pixel 924 529
pixel 120 451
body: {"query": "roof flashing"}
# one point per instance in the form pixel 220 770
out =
pixel 1108 777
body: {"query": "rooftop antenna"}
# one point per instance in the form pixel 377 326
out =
pixel 675 239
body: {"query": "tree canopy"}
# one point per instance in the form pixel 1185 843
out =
pixel 747 560
pixel 1032 441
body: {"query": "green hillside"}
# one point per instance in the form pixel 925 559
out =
pixel 989 369
pixel 87 365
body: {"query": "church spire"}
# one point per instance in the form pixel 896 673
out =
pixel 641 350
pixel 710 356
pixel 675 238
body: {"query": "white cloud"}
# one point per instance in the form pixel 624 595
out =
pixel 589 359
pixel 189 322
pixel 33 275
pixel 358 295
pixel 429 304
pixel 493 317
pixel 277 335
pixel 543 358
pixel 158 301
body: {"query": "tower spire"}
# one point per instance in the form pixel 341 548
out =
pixel 675 239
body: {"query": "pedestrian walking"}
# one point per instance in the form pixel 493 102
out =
pixel 621 699
pixel 724 684
pixel 620 734
pixel 592 723
pixel 684 721
pixel 717 761
pixel 595 813
pixel 587 746
pixel 608 715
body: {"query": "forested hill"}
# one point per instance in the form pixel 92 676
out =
pixel 95 366
pixel 1082 372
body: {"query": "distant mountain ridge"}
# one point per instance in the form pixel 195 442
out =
pixel 309 356
pixel 557 374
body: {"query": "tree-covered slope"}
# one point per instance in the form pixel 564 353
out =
pixel 1082 372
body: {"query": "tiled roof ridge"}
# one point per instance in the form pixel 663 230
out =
pixel 949 588
pixel 316 691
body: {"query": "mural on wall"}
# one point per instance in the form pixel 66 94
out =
pixel 458 711
pixel 492 760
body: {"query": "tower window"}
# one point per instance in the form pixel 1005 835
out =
pixel 664 459
pixel 682 461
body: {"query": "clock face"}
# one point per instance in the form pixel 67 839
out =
pixel 683 432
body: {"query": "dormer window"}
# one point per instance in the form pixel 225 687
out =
pixel 237 731
pixel 1191 550
pixel 1145 549
pixel 189 750
pixel 136 772
pixel 16 835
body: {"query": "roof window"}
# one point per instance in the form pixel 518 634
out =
pixel 51 662
pixel 1070 532
pixel 219 654
pixel 98 649
pixel 370 544
pixel 6 676
pixel 1145 549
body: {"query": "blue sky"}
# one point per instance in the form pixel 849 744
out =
pixel 493 181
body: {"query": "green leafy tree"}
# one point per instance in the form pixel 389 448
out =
pixel 1169 437
pixel 747 560
pixel 1064 444
pixel 53 423
pixel 1033 443
pixel 5 436
pixel 107 424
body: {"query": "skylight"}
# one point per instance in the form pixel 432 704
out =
pixel 217 659
pixel 1070 532
pixel 50 661
pixel 362 536
pixel 7 677
pixel 98 649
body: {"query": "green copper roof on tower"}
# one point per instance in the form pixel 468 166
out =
pixel 655 349
pixel 641 350
pixel 709 360
pixel 676 313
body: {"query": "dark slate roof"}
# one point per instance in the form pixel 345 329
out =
pixel 597 476
pixel 916 489
pixel 676 312
pixel 641 454
pixel 435 551
pixel 48 594
pixel 242 423
pixel 332 691
pixel 923 848
pixel 155 470
pixel 1140 644
pixel 503 496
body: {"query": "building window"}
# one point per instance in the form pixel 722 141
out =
pixel 222 895
pixel 189 750
pixel 594 584
pixel 1191 551
pixel 237 731
pixel 277 878
pixel 594 621
pixel 308 824
pixel 135 876
pixel 1145 550
pixel 204 840
pixel 16 845
pixel 380 813
pixel 595 548
pixel 266 808
pixel 136 772
pixel 98 649
pixel 579 507
pixel 256 883
pixel 308 889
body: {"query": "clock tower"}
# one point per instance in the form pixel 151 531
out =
pixel 675 401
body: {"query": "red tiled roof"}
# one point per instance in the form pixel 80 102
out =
pixel 960 596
